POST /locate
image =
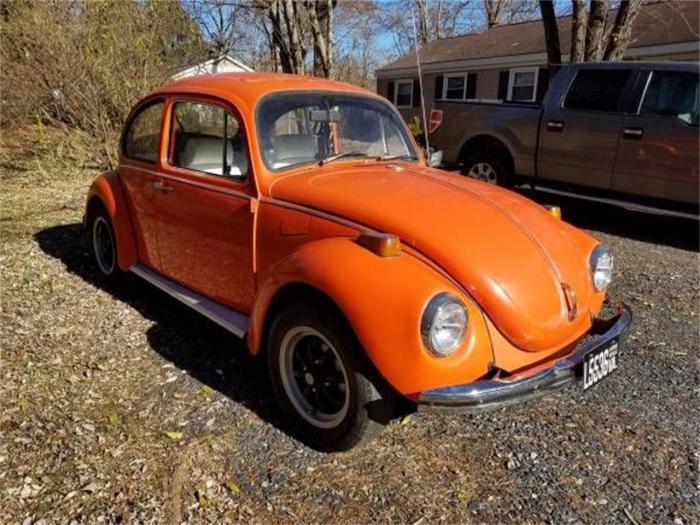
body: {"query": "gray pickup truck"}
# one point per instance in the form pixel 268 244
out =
pixel 623 133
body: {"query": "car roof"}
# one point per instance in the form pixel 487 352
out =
pixel 250 87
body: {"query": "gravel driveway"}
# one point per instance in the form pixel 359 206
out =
pixel 119 404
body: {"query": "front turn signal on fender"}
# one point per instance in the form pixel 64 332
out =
pixel 383 244
pixel 554 211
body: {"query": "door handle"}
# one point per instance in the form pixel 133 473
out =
pixel 555 125
pixel 633 133
pixel 162 187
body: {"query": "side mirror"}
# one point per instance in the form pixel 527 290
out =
pixel 435 159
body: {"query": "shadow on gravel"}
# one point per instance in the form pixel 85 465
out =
pixel 669 231
pixel 187 339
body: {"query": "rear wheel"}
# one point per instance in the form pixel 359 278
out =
pixel 487 167
pixel 104 245
pixel 326 387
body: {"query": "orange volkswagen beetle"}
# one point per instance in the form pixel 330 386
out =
pixel 299 214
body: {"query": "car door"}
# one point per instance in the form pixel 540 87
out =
pixel 578 139
pixel 138 168
pixel 659 148
pixel 205 227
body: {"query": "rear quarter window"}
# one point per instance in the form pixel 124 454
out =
pixel 142 138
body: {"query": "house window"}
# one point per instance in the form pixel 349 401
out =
pixel 455 87
pixel 522 84
pixel 404 94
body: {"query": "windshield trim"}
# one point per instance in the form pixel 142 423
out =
pixel 381 100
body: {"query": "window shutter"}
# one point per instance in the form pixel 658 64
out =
pixel 503 85
pixel 416 94
pixel 390 91
pixel 471 85
pixel 542 83
pixel 438 87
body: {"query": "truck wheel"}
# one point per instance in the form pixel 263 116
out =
pixel 487 167
pixel 325 385
pixel 104 245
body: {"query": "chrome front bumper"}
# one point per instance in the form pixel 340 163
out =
pixel 489 394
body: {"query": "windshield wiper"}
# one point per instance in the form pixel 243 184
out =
pixel 341 155
pixel 396 157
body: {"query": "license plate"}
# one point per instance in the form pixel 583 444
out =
pixel 600 364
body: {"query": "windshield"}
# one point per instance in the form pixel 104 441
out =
pixel 301 128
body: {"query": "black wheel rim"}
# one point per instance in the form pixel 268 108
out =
pixel 314 377
pixel 103 244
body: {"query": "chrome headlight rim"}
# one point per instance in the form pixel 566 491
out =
pixel 438 305
pixel 601 277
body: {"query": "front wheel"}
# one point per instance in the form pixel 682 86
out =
pixel 326 387
pixel 488 168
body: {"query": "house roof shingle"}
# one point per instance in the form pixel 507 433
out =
pixel 658 23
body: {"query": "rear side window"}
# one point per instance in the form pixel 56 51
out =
pixel 597 90
pixel 208 139
pixel 143 136
pixel 672 94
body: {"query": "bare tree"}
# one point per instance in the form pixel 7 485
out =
pixel 422 8
pixel 493 11
pixel 321 20
pixel 593 36
pixel 622 29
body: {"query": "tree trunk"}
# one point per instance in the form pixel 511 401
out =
pixel 551 35
pixel 493 11
pixel 596 29
pixel 321 21
pixel 579 18
pixel 622 29
pixel 279 49
pixel 422 21
pixel 297 52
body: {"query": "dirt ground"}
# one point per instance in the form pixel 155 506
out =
pixel 120 405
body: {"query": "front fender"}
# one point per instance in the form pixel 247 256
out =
pixel 107 188
pixel 383 300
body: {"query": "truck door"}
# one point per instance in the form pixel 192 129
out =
pixel 579 135
pixel 658 155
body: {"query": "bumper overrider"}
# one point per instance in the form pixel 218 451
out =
pixel 489 394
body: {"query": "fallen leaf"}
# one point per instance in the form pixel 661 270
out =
pixel 201 498
pixel 206 389
pixel 178 395
pixel 23 404
pixel 463 497
pixel 407 419
pixel 175 436
pixel 113 419
pixel 232 486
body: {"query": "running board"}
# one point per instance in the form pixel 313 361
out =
pixel 233 321
pixel 622 204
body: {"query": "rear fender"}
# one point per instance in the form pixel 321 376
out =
pixel 107 190
pixel 383 300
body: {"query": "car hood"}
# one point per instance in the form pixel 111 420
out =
pixel 507 252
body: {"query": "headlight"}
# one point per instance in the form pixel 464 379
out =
pixel 444 324
pixel 601 268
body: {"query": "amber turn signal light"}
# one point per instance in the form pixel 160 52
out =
pixel 554 211
pixel 383 244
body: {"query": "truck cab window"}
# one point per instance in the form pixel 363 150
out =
pixel 597 90
pixel 672 94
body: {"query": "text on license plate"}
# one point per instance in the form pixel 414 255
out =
pixel 599 364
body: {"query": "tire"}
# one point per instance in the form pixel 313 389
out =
pixel 311 354
pixel 104 245
pixel 487 167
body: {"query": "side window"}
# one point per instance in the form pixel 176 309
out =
pixel 208 139
pixel 597 90
pixel 672 94
pixel 142 139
